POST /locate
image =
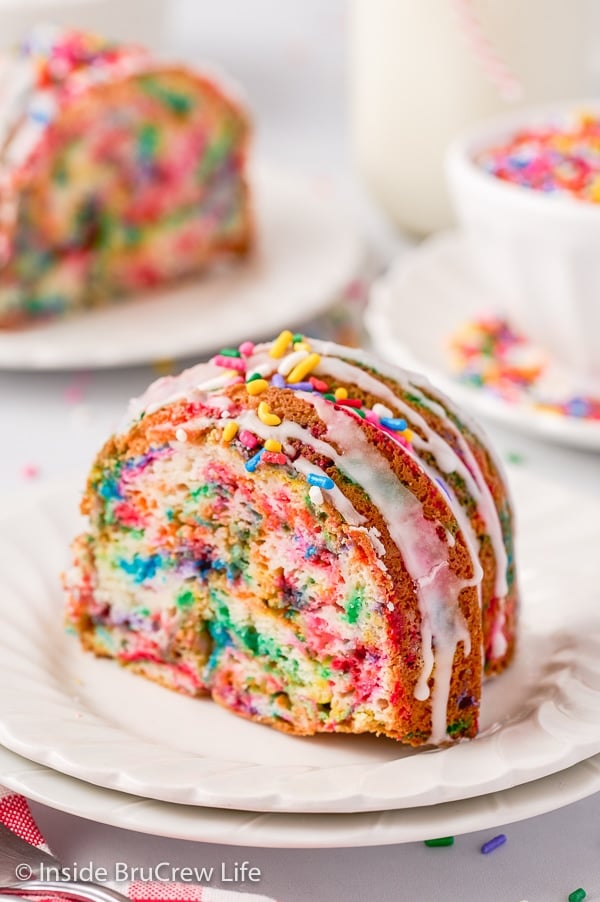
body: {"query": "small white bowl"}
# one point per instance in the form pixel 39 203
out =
pixel 539 254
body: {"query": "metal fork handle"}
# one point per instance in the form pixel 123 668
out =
pixel 78 892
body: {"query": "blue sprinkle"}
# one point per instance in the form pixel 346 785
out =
pixel 324 482
pixel 141 568
pixel 394 423
pixel 492 844
pixel 301 386
pixel 310 552
pixel 443 486
pixel 578 407
pixel 278 381
pixel 252 464
pixel 40 116
pixel 109 489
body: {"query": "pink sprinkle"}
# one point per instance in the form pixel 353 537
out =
pixel 230 363
pixel 248 439
pixel 75 390
pixel 30 471
pixel 371 416
pixel 246 348
pixel 274 457
pixel 318 384
pixel 356 289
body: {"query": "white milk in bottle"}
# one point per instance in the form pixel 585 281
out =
pixel 420 70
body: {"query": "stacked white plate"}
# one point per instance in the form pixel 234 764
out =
pixel 86 736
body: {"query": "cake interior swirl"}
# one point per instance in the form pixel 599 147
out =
pixel 319 541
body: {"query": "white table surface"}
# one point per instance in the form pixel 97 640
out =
pixel 290 57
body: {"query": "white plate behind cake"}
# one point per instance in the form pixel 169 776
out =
pixel 307 252
pixel 297 831
pixel 414 309
pixel 94 720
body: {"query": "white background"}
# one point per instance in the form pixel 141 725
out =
pixel 290 57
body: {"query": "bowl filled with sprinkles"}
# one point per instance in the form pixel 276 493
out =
pixel 526 190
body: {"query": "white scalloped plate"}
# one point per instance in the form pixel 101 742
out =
pixel 94 720
pixel 297 831
pixel 421 301
pixel 307 253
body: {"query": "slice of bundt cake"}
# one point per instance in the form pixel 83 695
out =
pixel 318 540
pixel 117 173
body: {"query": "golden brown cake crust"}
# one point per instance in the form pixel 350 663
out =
pixel 412 716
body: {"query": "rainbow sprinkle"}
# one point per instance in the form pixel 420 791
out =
pixel 492 844
pixel 488 353
pixel 561 158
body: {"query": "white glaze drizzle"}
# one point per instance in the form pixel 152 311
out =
pixel 448 460
pixel 425 556
pixel 436 652
pixel 417 384
pixel 337 497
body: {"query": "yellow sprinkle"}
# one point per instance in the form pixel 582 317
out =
pixel 408 434
pixel 265 415
pixel 281 344
pixel 272 444
pixel 302 369
pixel 341 394
pixel 302 346
pixel 595 190
pixel 257 386
pixel 164 366
pixel 230 431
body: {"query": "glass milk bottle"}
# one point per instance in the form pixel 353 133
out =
pixel 420 70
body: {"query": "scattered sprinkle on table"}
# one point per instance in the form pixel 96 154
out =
pixel 514 457
pixel 577 895
pixel 30 471
pixel 442 841
pixel 488 354
pixel 494 843
pixel 163 367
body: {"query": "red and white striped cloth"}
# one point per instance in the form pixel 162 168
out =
pixel 15 814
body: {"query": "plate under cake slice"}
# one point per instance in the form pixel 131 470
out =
pixel 319 541
pixel 118 173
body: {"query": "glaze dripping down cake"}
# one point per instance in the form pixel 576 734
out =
pixel 317 540
pixel 117 173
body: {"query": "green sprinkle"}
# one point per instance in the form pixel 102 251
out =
pixel 148 140
pixel 457 727
pixel 577 895
pixel 296 338
pixel 178 103
pixel 513 457
pixel 253 377
pixel 133 234
pixel 185 599
pixel 354 608
pixel 361 413
pixel 229 352
pixel 443 841
pixel 329 397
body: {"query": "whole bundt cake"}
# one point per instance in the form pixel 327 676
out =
pixel 317 540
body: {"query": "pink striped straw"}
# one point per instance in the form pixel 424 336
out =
pixel 493 67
